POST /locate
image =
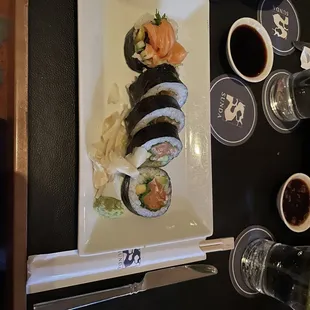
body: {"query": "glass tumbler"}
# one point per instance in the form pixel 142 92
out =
pixel 279 271
pixel 290 96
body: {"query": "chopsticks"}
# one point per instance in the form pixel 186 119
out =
pixel 217 245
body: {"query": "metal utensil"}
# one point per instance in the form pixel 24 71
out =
pixel 151 280
pixel 300 45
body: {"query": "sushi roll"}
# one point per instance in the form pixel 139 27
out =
pixel 151 42
pixel 164 80
pixel 161 141
pixel 149 195
pixel 153 110
pixel 130 52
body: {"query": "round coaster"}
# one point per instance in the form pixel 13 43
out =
pixel 281 22
pixel 233 110
pixel 276 123
pixel 249 235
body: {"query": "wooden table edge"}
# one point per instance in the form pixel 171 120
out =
pixel 17 143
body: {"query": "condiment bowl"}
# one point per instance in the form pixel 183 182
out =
pixel 304 226
pixel 246 21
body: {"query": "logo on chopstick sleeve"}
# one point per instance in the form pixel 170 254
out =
pixel 129 258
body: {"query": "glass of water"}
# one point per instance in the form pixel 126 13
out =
pixel 290 96
pixel 279 271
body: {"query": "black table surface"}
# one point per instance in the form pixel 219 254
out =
pixel 245 178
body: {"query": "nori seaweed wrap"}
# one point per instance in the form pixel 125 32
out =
pixel 163 79
pixel 161 141
pixel 152 110
pixel 149 195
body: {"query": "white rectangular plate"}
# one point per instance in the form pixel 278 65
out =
pixel 102 26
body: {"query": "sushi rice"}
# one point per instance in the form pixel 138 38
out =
pixel 153 110
pixel 162 80
pixel 177 144
pixel 161 141
pixel 132 201
pixel 170 114
pixel 176 90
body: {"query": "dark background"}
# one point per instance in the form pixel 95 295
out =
pixel 245 178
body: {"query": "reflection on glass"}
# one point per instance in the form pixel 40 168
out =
pixel 279 271
pixel 290 96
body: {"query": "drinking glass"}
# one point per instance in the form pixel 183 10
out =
pixel 279 271
pixel 290 96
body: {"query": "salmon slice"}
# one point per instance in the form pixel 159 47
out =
pixel 163 149
pixel 162 46
pixel 176 55
pixel 149 52
pixel 156 60
pixel 162 37
pixel 157 196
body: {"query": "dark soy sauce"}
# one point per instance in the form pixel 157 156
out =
pixel 296 202
pixel 248 51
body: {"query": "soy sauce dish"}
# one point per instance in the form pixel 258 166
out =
pixel 294 202
pixel 249 50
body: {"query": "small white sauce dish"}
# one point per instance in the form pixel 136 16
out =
pixel 250 22
pixel 305 225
